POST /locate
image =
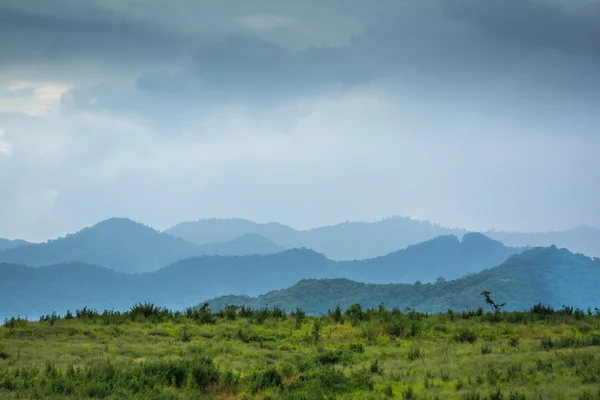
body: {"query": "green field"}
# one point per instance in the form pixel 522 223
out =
pixel 150 353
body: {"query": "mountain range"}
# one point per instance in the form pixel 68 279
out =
pixel 34 291
pixel 6 244
pixel 546 275
pixel 128 246
pixel 361 240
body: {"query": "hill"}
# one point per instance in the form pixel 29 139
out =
pixel 6 244
pixel 346 241
pixel 361 240
pixel 127 246
pixel 583 239
pixel 31 291
pixel 548 275
pixel 444 256
pixel 542 274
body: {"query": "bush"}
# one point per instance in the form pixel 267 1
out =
pixel 268 378
pixel 356 348
pixel 408 393
pixel 337 315
pixel 466 335
pixel 355 314
pixel 362 379
pixel 414 353
pixel 485 349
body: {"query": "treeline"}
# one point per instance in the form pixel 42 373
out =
pixel 355 314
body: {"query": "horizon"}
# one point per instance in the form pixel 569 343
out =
pixel 431 223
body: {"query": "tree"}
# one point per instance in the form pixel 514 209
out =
pixel 488 299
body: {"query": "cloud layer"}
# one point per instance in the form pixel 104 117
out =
pixel 474 114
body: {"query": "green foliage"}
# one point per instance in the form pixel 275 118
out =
pixel 152 352
pixel 466 335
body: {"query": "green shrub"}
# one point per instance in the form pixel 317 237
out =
pixel 466 335
pixel 414 353
pixel 269 378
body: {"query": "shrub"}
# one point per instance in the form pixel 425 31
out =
pixel 408 393
pixel 356 348
pixel 300 317
pixel 316 330
pixel 355 314
pixel 268 378
pixel 337 315
pixel 362 379
pixel 546 343
pixel 485 349
pixel 466 335
pixel 375 368
pixel 414 353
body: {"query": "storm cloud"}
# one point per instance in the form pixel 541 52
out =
pixel 475 114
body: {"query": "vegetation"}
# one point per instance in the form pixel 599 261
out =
pixel 150 352
pixel 548 275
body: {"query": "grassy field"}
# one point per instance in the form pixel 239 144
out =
pixel 150 353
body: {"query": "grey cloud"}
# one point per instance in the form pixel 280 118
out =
pixel 471 113
pixel 533 24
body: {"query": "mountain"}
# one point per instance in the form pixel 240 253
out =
pixel 246 244
pixel 444 256
pixel 127 246
pixel 346 241
pixel 583 239
pixel 6 244
pixel 34 291
pixel 361 240
pixel 186 282
pixel 29 291
pixel 221 230
pixel 546 275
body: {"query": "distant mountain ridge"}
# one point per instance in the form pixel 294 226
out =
pixel 442 257
pixel 360 240
pixel 6 244
pixel 185 282
pixel 550 276
pixel 128 246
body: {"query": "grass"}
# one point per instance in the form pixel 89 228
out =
pixel 152 353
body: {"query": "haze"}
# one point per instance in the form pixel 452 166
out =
pixel 474 114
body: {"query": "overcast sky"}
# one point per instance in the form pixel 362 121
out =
pixel 470 113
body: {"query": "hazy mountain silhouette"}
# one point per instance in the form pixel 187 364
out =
pixel 583 239
pixel 444 256
pixel 346 241
pixel 548 275
pixel 219 230
pixel 360 240
pixel 187 282
pixel 127 246
pixel 6 244
pixel 31 291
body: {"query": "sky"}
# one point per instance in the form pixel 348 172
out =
pixel 469 113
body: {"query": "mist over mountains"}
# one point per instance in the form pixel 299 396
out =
pixel 359 240
pixel 544 275
pixel 127 246
pixel 185 282
pixel 6 244
pixel 118 262
pixel 548 275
